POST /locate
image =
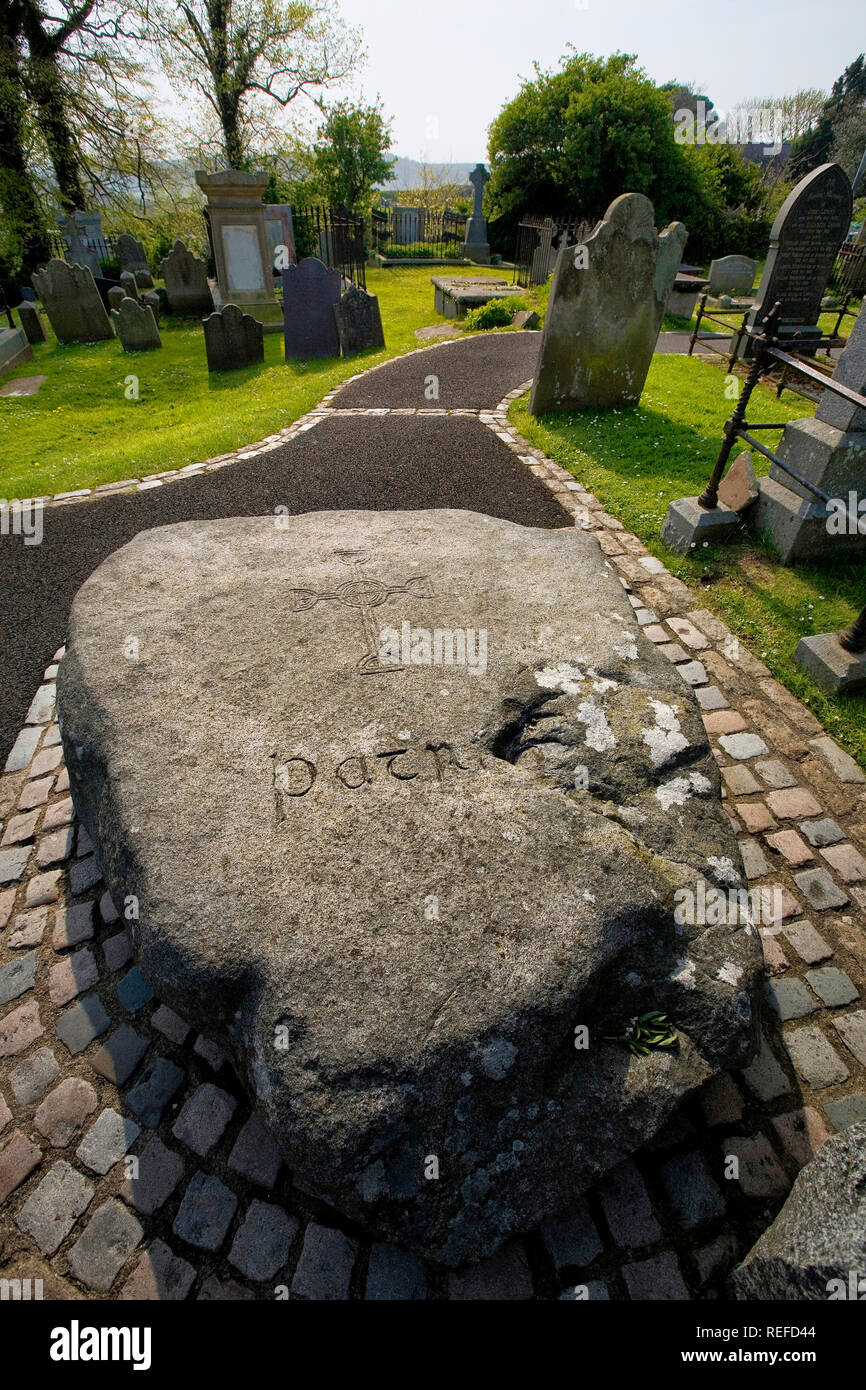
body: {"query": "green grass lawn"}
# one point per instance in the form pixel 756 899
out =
pixel 81 430
pixel 639 459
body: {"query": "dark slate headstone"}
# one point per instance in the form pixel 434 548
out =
pixel 232 339
pixel 311 292
pixel 807 233
pixel 116 296
pixel 359 323
pixel 105 286
pixel 135 326
pixel 31 322
pixel 186 283
pixel 72 302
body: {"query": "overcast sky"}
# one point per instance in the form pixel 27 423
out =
pixel 445 69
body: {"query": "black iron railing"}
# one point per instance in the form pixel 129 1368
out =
pixel 719 317
pixel 334 235
pixel 104 248
pixel 418 233
pixel 539 240
pixel 767 352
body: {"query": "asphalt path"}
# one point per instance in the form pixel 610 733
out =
pixel 474 373
pixel 385 462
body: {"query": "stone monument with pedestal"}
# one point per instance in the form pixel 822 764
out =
pixel 240 243
pixel 476 247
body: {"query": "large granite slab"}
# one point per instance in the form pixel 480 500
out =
pixel 405 802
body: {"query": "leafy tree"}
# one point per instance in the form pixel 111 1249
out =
pixel 574 139
pixel 684 97
pixel 846 98
pixel 239 55
pixel 22 236
pixel 349 157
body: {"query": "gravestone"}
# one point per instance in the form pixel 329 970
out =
pixel 186 283
pixel 407 225
pixel 544 256
pixel 359 323
pixel 72 302
pixel 311 293
pixel 240 243
pixel 79 253
pixel 805 238
pixel 232 339
pixel 116 296
pixel 135 326
pixel 129 283
pixel 280 231
pixel 383 872
pixel 151 297
pixel 85 224
pixel 31 322
pixel 104 288
pixel 732 275
pixel 476 246
pixel 605 310
pixel 130 256
pixel 829 449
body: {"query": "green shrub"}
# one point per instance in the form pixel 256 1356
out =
pixel 498 313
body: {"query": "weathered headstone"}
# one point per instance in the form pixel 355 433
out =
pixel 416 848
pixel 72 302
pixel 129 283
pixel 152 298
pixel 359 323
pixel 815 1249
pixel 31 322
pixel 311 292
pixel 732 275
pixel 476 246
pixel 829 449
pixel 186 283
pixel 606 306
pixel 130 254
pixel 80 253
pixel 280 232
pixel 135 326
pixel 805 238
pixel 232 339
pixel 116 296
